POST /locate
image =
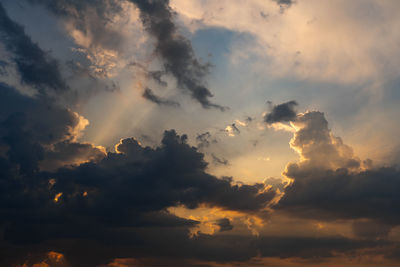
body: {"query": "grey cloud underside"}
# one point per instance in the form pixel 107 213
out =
pixel 149 95
pixel 282 113
pixel 26 138
pixel 35 66
pixel 333 194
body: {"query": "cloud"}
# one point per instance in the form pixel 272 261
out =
pixel 91 28
pixel 224 224
pixel 67 153
pixel 330 183
pixel 284 2
pixel 175 50
pixel 94 207
pixel 115 205
pixel 35 66
pixel 232 130
pixel 149 95
pixel 204 140
pixel 282 113
pixel 218 160
pixel 91 18
pixel 295 43
pixel 130 189
pixel 24 133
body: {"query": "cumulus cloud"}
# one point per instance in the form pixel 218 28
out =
pixel 128 189
pixel 330 183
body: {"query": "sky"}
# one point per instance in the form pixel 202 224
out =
pixel 199 133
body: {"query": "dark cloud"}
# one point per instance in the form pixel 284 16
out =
pixel 35 66
pixel 3 67
pixel 370 229
pixel 149 95
pixel 311 248
pixel 70 153
pixel 175 50
pixel 116 205
pixel 57 194
pixel 333 194
pixel 118 201
pixel 224 224
pixel 330 182
pixel 282 112
pixel 29 125
pixel 175 172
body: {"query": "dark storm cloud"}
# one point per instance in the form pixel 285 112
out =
pixel 117 201
pixel 175 50
pixel 175 172
pixel 282 112
pixel 35 66
pixel 149 95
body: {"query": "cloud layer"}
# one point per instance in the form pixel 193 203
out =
pixel 67 202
